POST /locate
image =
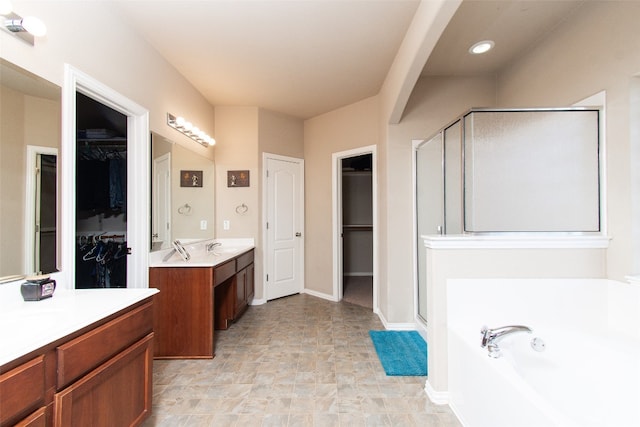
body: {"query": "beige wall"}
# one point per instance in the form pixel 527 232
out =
pixel 243 134
pixel 12 165
pixel 201 199
pixel 347 128
pixel 18 114
pixel 433 104
pixel 237 149
pixel 596 49
pixel 282 135
pixel 91 37
pixel 185 223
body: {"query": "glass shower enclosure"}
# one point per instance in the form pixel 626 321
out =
pixel 515 171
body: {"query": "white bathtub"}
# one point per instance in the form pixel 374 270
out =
pixel 588 375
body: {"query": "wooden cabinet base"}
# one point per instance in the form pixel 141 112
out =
pixel 100 375
pixel 22 390
pixel 194 301
pixel 36 419
pixel 183 312
pixel 117 393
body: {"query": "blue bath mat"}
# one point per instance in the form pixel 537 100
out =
pixel 402 353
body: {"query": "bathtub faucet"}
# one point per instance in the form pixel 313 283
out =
pixel 491 337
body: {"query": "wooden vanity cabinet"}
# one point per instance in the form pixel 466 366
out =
pixel 100 375
pixel 105 375
pixel 243 284
pixel 183 312
pixel 36 419
pixel 194 301
pixel 22 391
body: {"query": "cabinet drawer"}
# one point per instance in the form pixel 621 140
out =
pixel 36 419
pixel 22 390
pixel 84 353
pixel 116 393
pixel 244 260
pixel 223 272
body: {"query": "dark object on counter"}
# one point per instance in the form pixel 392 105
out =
pixel 37 288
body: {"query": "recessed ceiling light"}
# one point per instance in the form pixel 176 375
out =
pixel 481 47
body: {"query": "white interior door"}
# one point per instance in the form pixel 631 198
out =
pixel 161 234
pixel 285 244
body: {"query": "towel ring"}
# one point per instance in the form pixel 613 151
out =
pixel 184 209
pixel 242 209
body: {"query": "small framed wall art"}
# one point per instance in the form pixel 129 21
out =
pixel 238 178
pixel 190 178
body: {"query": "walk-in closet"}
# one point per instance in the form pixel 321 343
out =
pixel 101 195
pixel 357 230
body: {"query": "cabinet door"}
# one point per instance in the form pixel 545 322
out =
pixel 250 287
pixel 117 393
pixel 36 419
pixel 241 295
pixel 22 390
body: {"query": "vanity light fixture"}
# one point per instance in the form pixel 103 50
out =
pixel 187 128
pixel 26 28
pixel 481 47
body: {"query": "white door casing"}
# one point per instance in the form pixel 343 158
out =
pixel 284 227
pixel 31 217
pixel 336 159
pixel 161 233
pixel 138 193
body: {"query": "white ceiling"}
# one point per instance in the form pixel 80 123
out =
pixel 307 57
pixel 302 58
pixel 514 26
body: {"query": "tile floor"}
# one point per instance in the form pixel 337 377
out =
pixel 297 361
pixel 358 290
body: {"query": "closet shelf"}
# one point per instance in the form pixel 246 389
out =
pixel 357 227
pixel 114 141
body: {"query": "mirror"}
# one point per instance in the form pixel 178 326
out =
pixel 182 194
pixel 29 147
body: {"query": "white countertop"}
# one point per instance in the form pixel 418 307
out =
pixel 200 257
pixel 26 326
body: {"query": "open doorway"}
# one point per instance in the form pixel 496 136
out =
pixel 137 173
pixel 101 195
pixel 357 230
pixel 355 253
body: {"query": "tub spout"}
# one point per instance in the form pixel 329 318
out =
pixel 491 337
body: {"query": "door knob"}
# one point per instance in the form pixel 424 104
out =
pixel 298 234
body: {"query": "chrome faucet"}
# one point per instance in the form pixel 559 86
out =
pixel 491 337
pixel 178 247
pixel 212 246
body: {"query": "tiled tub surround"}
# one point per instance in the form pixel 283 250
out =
pixel 588 374
pixel 296 361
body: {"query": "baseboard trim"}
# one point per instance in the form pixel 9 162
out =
pixel 436 397
pixel 319 295
pixel 391 326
